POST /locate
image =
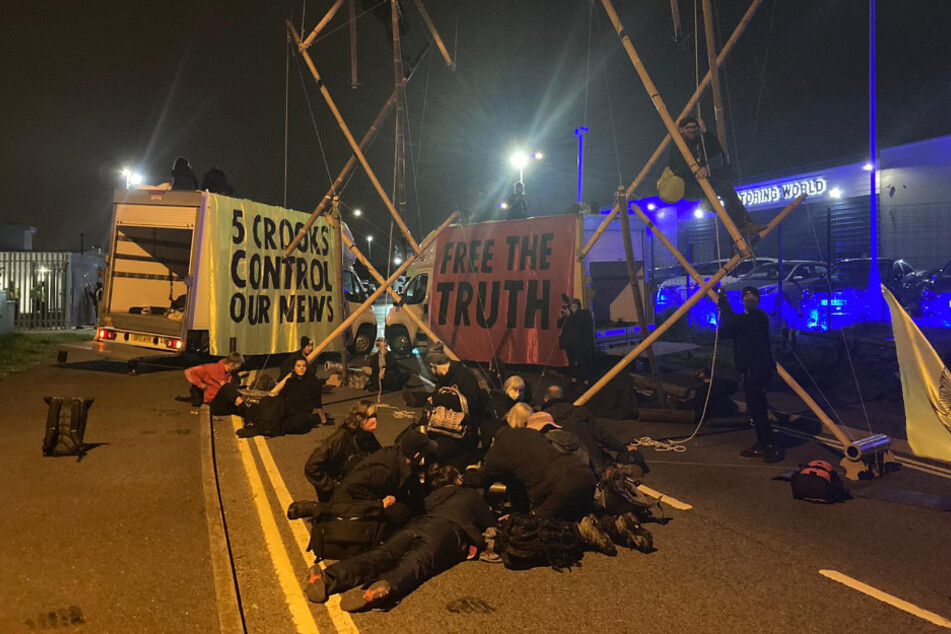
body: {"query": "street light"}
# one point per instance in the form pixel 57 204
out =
pixel 369 245
pixel 357 212
pixel 520 159
pixel 132 178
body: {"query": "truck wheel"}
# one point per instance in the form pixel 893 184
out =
pixel 400 342
pixel 363 343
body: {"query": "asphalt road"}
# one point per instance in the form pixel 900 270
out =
pixel 123 534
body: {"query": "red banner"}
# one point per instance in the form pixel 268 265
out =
pixel 497 288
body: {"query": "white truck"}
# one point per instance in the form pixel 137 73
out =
pixel 199 272
pixel 493 289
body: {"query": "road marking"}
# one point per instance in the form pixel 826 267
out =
pixel 671 501
pixel 891 600
pixel 296 602
pixel 341 620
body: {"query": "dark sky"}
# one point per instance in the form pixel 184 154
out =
pixel 90 87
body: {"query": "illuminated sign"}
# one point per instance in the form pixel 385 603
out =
pixel 782 191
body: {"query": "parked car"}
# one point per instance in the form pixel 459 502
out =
pixel 797 275
pixel 934 302
pixel 673 292
pixel 843 298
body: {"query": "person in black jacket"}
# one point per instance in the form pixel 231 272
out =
pixel 385 372
pixel 452 376
pixel 183 176
pixel 583 424
pixel 306 347
pixel 707 152
pixel 514 390
pixel 340 451
pixel 450 532
pixel 754 363
pixel 577 340
pixel 303 394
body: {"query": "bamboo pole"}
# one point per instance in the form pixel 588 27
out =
pixel 714 75
pixel 432 30
pixel 784 375
pixel 636 293
pixel 320 26
pixel 658 331
pixel 351 162
pixel 671 126
pixel 346 323
pixel 675 14
pixel 353 143
pixel 338 235
pixel 352 18
pixel 396 296
pixel 400 175
pixel 726 50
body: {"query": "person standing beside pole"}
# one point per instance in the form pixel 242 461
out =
pixel 754 363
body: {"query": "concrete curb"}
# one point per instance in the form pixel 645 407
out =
pixel 230 617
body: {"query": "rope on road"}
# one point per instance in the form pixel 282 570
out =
pixel 661 445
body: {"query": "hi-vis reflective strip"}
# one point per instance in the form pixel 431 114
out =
pixel 891 600
pixel 666 499
pixel 296 602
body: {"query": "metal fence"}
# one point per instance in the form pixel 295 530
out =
pixel 40 285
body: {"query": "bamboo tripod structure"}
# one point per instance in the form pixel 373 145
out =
pixel 714 75
pixel 706 287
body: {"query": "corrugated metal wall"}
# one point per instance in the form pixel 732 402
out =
pixel 918 233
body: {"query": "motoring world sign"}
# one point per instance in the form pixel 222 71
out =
pixel 782 192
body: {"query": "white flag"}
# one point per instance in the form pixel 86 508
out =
pixel 925 386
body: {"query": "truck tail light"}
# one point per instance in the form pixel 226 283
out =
pixel 105 334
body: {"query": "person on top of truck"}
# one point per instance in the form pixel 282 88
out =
pixel 183 176
pixel 214 384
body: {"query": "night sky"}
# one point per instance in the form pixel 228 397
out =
pixel 91 87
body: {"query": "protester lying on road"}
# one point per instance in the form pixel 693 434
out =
pixel 449 532
pixel 557 484
pixel 342 450
pixel 379 493
pixel 214 384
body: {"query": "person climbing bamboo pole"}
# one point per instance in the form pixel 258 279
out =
pixel 691 104
pixel 741 246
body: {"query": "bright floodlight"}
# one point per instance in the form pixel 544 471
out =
pixel 503 205
pixel 698 213
pixel 135 178
pixel 651 206
pixel 538 156
pixel 868 167
pixel 126 172
pixel 519 160
pixel 835 192
pixel 369 238
pixel 357 212
pixel 397 260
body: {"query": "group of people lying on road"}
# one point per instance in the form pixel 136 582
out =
pixel 393 517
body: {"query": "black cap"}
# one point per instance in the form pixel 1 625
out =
pixel 305 341
pixel 414 442
pixel 751 289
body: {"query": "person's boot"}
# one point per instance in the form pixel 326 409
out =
pixel 595 537
pixel 302 508
pixel 315 585
pixel 248 431
pixel 359 599
pixel 773 454
pixel 636 536
pixel 755 451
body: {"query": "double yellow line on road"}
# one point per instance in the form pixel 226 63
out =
pixel 289 579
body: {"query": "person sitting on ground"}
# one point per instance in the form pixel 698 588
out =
pixel 379 493
pixel 583 424
pixel 303 394
pixel 183 176
pixel 214 384
pixel 558 485
pixel 721 389
pixel 384 362
pixel 450 532
pixel 706 151
pixel 514 390
pixel 342 450
pixel 306 347
pixel 456 395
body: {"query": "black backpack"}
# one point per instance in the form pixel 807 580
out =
pixel 818 482
pixel 618 494
pixel 526 541
pixel 65 426
pixel 267 415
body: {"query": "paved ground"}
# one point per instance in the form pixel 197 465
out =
pixel 124 535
